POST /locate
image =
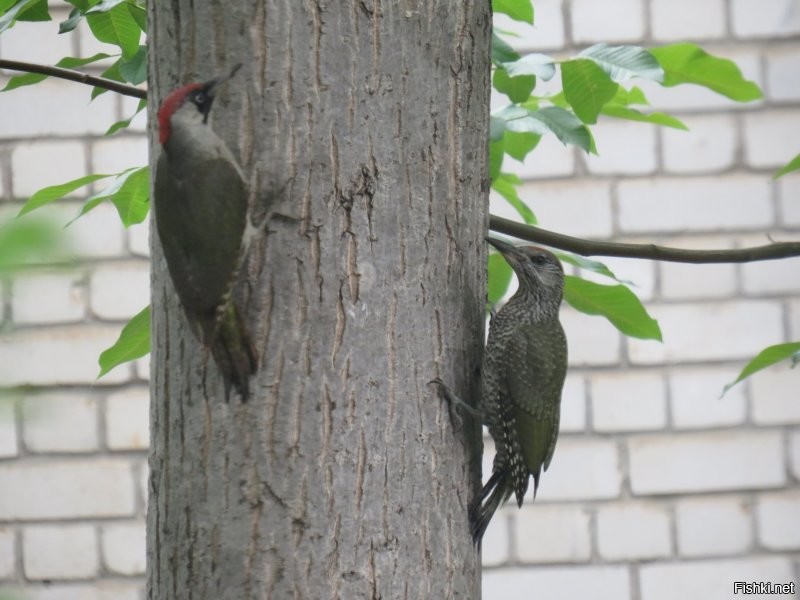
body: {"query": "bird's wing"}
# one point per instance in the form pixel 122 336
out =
pixel 203 251
pixel 536 371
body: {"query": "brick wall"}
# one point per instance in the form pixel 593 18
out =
pixel 658 488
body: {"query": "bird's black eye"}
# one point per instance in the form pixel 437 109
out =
pixel 539 259
pixel 199 98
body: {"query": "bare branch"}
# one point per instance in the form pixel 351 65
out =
pixel 648 251
pixel 71 75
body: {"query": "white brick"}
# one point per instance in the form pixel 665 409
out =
pixel 779 520
pixel 556 204
pixel 592 340
pixel 97 234
pixel 624 147
pixel 640 273
pixel 794 320
pixel 775 395
pixel 56 107
pixel 695 97
pixel 683 281
pixel 789 192
pixel 628 401
pixel 124 548
pixel 139 238
pixel 700 462
pixel 769 137
pixel 127 420
pixel 97 590
pixel 60 422
pixel 783 65
pixel 55 297
pixel 581 469
pixel 633 531
pixel 560 583
pixel 66 489
pixel 772 276
pixel 679 20
pixel 696 401
pixel 112 155
pixel 142 366
pixel 794 453
pixel 713 330
pixel 697 203
pixel 50 47
pixel 61 355
pixel 756 18
pixel 7 553
pixel 139 122
pixel 547 534
pixel 592 22
pixel 713 526
pixel 546 33
pixel 120 290
pixel 59 552
pixel 551 158
pixel 709 579
pixel 65 161
pixel 495 545
pixel 8 428
pixel 709 145
pixel 573 404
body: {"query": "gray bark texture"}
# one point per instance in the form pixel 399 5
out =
pixel 361 127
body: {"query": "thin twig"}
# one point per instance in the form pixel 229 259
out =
pixel 71 75
pixel 647 251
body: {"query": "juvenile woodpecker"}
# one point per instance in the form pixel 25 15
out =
pixel 201 216
pixel 524 366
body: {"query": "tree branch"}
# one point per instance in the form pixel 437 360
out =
pixel 648 251
pixel 71 75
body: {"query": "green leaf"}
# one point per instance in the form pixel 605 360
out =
pixel 616 303
pixel 590 265
pixel 115 25
pixel 31 238
pixel 792 165
pixel 54 192
pixel 67 62
pixel 766 358
pixel 626 97
pixel 540 65
pixel 657 118
pixel 566 127
pixel 133 343
pixel 519 144
pixel 129 194
pixel 505 184
pixel 625 62
pixel 69 24
pixel 519 10
pixel 518 89
pixel 134 70
pixel 688 63
pixel 587 88
pixel 499 277
pixel 502 52
pixel 112 73
pixel 24 10
pixel 126 122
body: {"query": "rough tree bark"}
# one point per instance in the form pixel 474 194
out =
pixel 362 127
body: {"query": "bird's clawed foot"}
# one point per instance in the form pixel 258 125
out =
pixel 452 399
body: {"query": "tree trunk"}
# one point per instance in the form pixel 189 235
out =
pixel 361 126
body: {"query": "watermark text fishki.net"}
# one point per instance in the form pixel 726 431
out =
pixel 762 587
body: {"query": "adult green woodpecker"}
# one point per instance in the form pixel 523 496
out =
pixel 201 217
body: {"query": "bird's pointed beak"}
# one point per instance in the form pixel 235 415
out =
pixel 212 85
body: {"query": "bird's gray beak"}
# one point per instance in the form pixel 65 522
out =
pixel 509 251
pixel 211 86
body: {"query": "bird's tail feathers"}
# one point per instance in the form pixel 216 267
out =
pixel 493 495
pixel 233 351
